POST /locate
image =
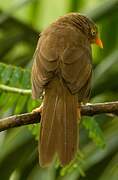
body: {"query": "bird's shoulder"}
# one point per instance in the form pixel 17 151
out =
pixel 58 37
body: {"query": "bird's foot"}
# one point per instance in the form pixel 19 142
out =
pixel 39 109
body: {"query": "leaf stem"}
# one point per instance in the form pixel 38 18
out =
pixel 15 90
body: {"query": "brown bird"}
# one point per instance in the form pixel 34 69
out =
pixel 62 69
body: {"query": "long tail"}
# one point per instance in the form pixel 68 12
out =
pixel 58 125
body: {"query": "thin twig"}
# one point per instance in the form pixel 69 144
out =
pixel 31 118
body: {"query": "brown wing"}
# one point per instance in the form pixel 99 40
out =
pixel 76 69
pixel 44 64
pixel 67 50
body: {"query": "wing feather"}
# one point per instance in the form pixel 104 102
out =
pixel 69 54
pixel 44 64
pixel 76 67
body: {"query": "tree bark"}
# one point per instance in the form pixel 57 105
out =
pixel 31 118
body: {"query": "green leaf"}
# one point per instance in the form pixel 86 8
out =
pixel 94 131
pixel 77 163
pixel 2 67
pixel 14 76
pixel 10 101
pixel 31 104
pixel 6 74
pixel 35 130
pixel 26 80
pixel 21 104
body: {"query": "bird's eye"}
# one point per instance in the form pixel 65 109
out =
pixel 93 32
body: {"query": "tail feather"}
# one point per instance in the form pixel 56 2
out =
pixel 58 125
pixel 47 145
pixel 67 143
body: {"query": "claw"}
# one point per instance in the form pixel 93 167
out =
pixel 39 109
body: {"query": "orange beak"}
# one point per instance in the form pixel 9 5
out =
pixel 99 42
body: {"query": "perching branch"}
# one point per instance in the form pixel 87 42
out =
pixel 31 118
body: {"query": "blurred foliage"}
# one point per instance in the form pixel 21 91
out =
pixel 21 21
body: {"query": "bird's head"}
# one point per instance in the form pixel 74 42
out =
pixel 87 26
pixel 93 35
